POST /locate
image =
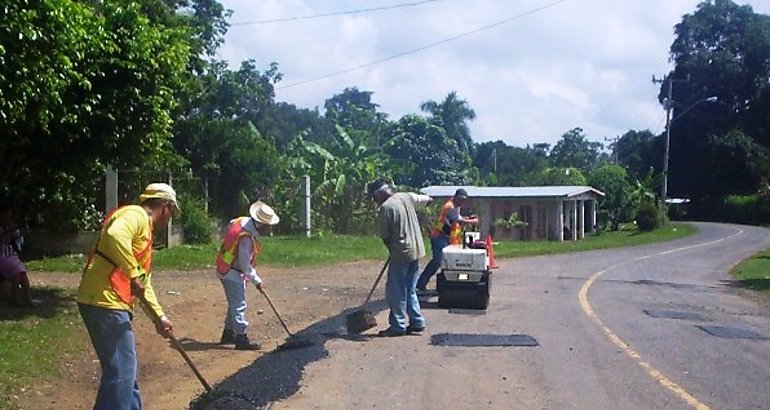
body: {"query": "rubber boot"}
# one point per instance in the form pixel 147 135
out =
pixel 228 337
pixel 242 342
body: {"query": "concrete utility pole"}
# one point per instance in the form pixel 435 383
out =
pixel 614 144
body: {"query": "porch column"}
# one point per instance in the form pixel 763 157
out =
pixel 582 219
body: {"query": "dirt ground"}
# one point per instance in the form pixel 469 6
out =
pixel 195 303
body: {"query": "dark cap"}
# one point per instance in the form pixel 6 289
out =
pixel 375 186
pixel 461 193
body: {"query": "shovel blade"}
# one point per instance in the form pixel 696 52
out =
pixel 359 321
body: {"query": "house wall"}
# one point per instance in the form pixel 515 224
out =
pixel 546 218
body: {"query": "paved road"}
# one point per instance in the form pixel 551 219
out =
pixel 599 346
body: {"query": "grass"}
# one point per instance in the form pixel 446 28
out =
pixel 36 344
pixel 623 237
pixel 279 251
pixel 754 272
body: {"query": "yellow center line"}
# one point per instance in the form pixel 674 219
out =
pixel 623 346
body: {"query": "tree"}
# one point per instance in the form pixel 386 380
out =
pixel 723 50
pixel 421 154
pixel 638 151
pixel 555 176
pixel 93 81
pixel 452 114
pixel 614 182
pixel 512 166
pixel 574 150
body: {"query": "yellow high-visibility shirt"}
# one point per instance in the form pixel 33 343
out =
pixel 129 233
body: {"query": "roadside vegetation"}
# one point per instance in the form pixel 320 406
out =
pixel 754 272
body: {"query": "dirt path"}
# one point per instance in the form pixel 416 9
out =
pixel 195 303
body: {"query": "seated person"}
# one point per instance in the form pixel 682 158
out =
pixel 12 270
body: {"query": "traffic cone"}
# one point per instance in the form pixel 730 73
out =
pixel 491 251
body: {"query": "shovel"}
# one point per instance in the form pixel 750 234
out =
pixel 177 345
pixel 363 319
pixel 293 341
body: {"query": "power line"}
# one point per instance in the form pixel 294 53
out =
pixel 425 47
pixel 338 13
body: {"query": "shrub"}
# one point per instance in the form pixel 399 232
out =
pixel 649 217
pixel 195 222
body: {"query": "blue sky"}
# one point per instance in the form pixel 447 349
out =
pixel 547 67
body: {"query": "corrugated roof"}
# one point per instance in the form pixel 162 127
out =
pixel 511 192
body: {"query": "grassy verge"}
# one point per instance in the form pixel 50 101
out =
pixel 754 273
pixel 280 251
pixel 624 237
pixel 36 344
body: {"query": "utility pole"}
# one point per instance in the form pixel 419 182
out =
pixel 669 105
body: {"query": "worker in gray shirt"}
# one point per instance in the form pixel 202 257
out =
pixel 399 229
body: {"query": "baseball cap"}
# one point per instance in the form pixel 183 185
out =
pixel 461 193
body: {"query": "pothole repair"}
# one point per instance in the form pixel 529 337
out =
pixel 479 340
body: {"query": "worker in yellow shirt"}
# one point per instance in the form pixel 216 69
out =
pixel 117 276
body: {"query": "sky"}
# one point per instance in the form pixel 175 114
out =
pixel 530 69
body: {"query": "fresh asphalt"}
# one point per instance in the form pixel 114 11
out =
pixel 660 326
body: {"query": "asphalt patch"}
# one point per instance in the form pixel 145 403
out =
pixel 480 340
pixel 729 332
pixel 672 314
pixel 469 312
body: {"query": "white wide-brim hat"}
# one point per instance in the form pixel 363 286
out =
pixel 262 213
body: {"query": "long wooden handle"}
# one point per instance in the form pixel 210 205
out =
pixel 278 315
pixel 376 282
pixel 177 345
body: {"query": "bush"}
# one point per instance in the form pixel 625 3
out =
pixel 649 217
pixel 195 222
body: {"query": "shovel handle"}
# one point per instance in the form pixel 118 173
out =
pixel 377 281
pixel 177 345
pixel 278 315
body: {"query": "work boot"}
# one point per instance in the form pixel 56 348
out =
pixel 228 337
pixel 242 342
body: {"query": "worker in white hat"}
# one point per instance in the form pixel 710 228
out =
pixel 117 274
pixel 236 267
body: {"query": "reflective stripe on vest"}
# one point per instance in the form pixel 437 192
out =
pixel 455 229
pixel 229 249
pixel 119 279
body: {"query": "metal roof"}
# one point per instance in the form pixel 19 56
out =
pixel 511 192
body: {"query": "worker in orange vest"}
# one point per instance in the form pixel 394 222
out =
pixel 236 262
pixel 117 275
pixel 446 231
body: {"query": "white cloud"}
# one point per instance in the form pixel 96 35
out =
pixel 576 64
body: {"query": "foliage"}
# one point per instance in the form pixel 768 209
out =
pixel 512 222
pixel 573 150
pixel 195 222
pixel 613 181
pixel 509 166
pixel 94 81
pixel 649 217
pixel 638 152
pixel 421 154
pixel 558 177
pixel 452 114
pixel 722 50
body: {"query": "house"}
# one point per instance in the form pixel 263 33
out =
pixel 550 212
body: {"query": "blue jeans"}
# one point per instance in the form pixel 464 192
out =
pixel 437 245
pixel 113 339
pixel 235 293
pixel 402 299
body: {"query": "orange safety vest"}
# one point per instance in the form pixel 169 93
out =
pixel 455 229
pixel 119 279
pixel 229 249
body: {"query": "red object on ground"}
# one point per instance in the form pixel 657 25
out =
pixel 491 250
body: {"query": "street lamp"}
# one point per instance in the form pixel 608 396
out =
pixel 669 104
